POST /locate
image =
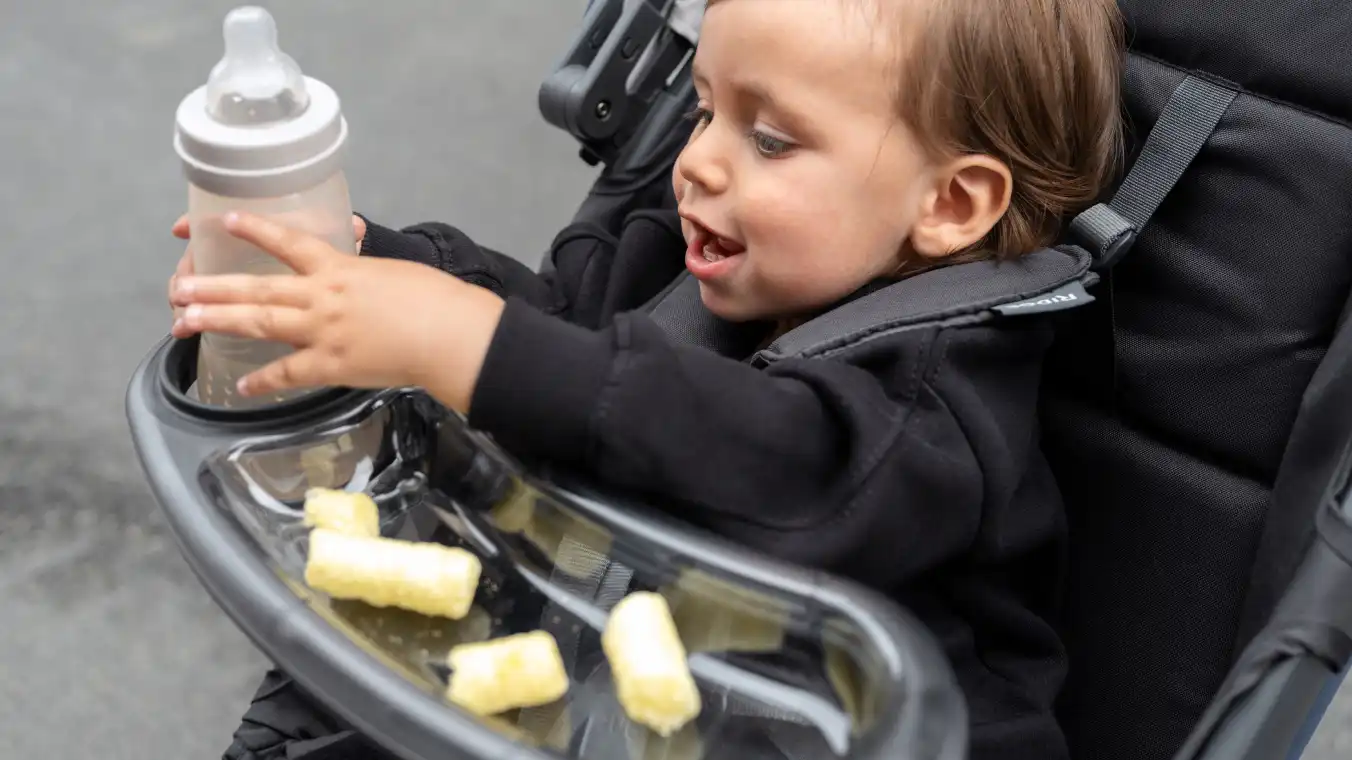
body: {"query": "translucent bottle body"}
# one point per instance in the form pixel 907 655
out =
pixel 324 211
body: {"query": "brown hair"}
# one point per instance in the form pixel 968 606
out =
pixel 1033 83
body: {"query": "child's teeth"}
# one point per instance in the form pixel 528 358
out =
pixel 710 256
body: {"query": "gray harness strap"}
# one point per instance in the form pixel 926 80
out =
pixel 1051 279
pixel 1109 230
pixel 682 316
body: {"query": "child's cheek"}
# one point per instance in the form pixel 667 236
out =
pixel 678 182
pixel 782 221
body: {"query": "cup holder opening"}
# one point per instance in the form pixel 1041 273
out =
pixel 178 372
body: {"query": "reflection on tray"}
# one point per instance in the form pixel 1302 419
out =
pixel 775 681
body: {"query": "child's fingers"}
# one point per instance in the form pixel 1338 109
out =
pixel 303 253
pixel 185 264
pixel 272 290
pixel 276 323
pixel 180 329
pixel 184 268
pixel 358 230
pixel 180 228
pixel 302 369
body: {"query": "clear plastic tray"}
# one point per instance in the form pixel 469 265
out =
pixel 791 663
pixel 780 675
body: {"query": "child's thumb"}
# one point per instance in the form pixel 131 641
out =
pixel 358 230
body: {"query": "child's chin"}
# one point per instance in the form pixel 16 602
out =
pixel 727 305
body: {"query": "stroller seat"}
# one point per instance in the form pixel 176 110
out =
pixel 1198 411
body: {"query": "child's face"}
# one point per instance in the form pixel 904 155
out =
pixel 799 184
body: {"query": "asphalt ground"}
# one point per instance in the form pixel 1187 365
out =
pixel 108 646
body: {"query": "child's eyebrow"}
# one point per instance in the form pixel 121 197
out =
pixel 750 90
pixel 754 92
pixel 697 71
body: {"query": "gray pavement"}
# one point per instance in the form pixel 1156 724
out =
pixel 108 648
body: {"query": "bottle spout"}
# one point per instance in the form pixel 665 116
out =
pixel 255 83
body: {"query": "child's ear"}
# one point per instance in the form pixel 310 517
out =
pixel 970 196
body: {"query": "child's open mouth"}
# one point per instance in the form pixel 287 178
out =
pixel 719 248
pixel 710 255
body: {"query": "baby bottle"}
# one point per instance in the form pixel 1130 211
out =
pixel 259 137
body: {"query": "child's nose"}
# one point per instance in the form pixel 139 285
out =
pixel 703 164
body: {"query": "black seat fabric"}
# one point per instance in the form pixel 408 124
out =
pixel 1170 402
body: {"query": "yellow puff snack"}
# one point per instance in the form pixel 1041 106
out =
pixel 647 661
pixel 493 677
pixel 354 514
pixel 421 577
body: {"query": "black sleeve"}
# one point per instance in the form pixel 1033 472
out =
pixel 620 249
pixel 594 274
pixel 444 247
pixel 817 462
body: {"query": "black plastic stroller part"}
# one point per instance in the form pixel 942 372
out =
pixel 791 664
pixel 624 74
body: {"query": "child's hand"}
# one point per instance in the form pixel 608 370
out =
pixel 355 322
pixel 185 267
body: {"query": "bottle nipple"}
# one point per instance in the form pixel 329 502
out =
pixel 255 83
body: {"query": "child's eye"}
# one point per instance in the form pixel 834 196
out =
pixel 701 116
pixel 768 146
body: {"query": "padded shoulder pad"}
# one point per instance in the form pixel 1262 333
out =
pixel 1051 279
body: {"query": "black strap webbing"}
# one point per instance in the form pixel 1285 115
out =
pixel 1108 230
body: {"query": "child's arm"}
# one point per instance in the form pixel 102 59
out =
pixel 446 248
pixel 882 464
pixel 869 471
pixel 587 280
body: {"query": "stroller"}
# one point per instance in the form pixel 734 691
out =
pixel 1197 415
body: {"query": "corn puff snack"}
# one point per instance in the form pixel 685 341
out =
pixel 647 661
pixel 430 579
pixel 493 677
pixel 353 514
